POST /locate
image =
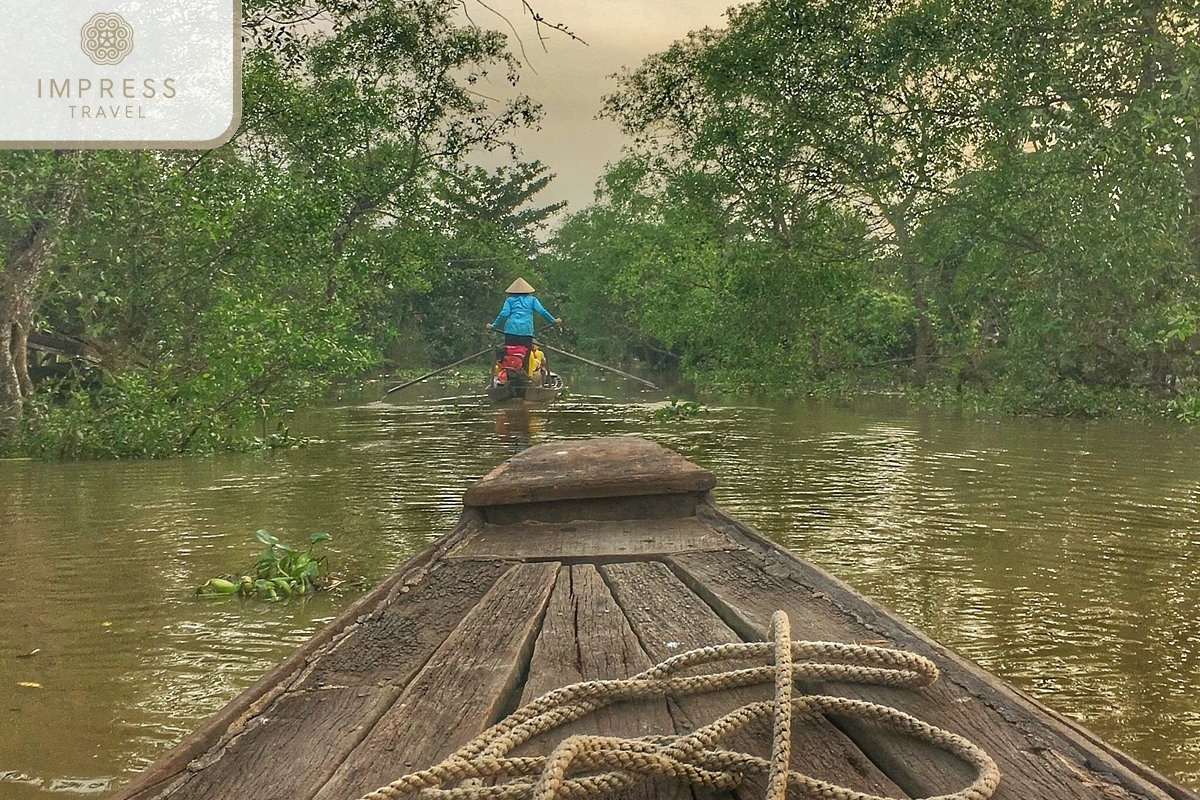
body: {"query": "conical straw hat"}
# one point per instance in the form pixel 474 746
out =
pixel 519 286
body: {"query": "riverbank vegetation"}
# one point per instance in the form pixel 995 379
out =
pixel 996 204
pixel 199 295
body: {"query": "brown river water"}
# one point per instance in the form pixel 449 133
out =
pixel 1061 555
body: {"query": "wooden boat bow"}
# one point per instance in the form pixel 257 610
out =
pixel 594 560
pixel 612 467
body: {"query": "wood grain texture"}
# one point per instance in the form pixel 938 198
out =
pixel 613 466
pixel 290 747
pixel 632 507
pixel 585 637
pixel 1036 758
pixel 461 690
pixel 590 539
pixel 670 619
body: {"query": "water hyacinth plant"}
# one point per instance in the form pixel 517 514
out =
pixel 679 409
pixel 281 571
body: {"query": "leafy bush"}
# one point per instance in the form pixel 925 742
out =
pixel 1186 408
pixel 678 409
pixel 281 571
pixel 142 414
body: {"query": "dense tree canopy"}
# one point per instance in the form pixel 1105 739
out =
pixel 216 287
pixel 998 197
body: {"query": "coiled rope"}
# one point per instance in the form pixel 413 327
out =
pixel 589 766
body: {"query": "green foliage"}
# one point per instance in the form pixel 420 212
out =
pixel 1185 408
pixel 132 415
pixel 139 414
pixel 982 201
pixel 344 223
pixel 281 572
pixel 678 410
pixel 669 272
pixel 995 201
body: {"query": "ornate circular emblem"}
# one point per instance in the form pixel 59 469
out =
pixel 106 38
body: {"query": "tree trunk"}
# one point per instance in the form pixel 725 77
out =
pixel 1192 209
pixel 10 384
pixel 18 282
pixel 19 279
pixel 926 343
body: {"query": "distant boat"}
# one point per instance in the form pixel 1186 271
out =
pixel 525 391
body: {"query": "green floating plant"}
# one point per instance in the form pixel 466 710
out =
pixel 679 409
pixel 281 571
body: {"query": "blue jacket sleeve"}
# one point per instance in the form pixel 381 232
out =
pixel 504 311
pixel 537 306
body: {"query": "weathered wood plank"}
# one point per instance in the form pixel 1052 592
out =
pixel 444 645
pixel 616 466
pixel 1036 759
pixel 291 747
pixel 585 637
pixel 590 539
pixel 643 506
pixel 459 693
pixel 669 619
pixel 389 647
pixel 291 750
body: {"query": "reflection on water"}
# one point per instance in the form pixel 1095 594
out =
pixel 1058 554
pixel 519 426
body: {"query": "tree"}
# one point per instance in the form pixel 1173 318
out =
pixel 491 233
pixel 660 268
pixel 1077 243
pixel 40 190
pixel 231 283
pixel 866 106
pixel 1025 175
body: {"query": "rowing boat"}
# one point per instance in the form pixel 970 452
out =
pixel 524 391
pixel 596 623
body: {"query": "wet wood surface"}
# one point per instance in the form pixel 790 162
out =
pixel 616 466
pixel 671 619
pixel 494 616
pixel 461 690
pixel 591 539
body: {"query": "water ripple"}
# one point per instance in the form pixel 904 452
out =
pixel 1056 554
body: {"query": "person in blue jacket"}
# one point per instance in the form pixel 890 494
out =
pixel 517 313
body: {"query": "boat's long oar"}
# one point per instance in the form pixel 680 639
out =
pixel 597 364
pixel 440 370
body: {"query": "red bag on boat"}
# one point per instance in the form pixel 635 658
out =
pixel 514 357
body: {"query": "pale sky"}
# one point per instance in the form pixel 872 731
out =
pixel 571 78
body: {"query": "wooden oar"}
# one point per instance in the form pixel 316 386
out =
pixel 436 371
pixel 597 364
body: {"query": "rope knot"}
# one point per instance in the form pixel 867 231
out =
pixel 592 765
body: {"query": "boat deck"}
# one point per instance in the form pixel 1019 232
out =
pixel 593 560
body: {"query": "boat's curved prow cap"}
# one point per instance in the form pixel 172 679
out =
pixel 611 466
